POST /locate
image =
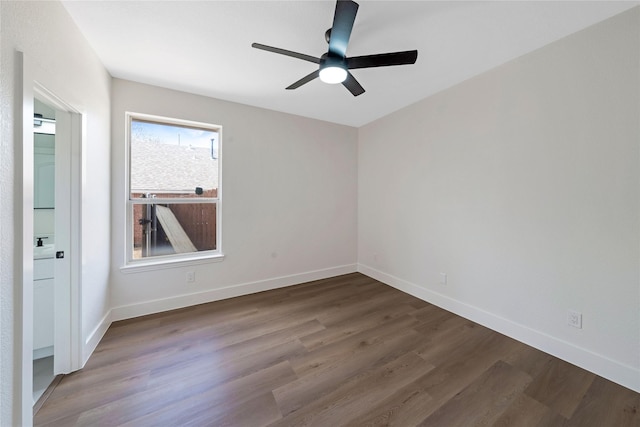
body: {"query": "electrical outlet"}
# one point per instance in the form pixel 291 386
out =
pixel 443 278
pixel 191 276
pixel 574 318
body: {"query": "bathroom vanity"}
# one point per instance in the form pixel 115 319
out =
pixel 43 301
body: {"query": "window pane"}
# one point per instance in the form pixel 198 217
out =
pixel 173 161
pixel 166 229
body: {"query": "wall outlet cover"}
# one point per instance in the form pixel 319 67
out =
pixel 443 278
pixel 574 318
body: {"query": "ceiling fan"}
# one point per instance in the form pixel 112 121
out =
pixel 334 65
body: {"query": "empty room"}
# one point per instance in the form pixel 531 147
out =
pixel 288 213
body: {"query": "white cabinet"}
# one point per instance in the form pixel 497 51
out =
pixel 43 307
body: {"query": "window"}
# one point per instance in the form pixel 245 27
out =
pixel 173 204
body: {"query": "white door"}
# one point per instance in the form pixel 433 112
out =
pixel 62 269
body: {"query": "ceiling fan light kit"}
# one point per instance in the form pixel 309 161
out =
pixel 334 66
pixel 333 75
pixel 333 70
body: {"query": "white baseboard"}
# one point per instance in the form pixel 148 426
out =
pixel 622 374
pixel 186 300
pixel 95 336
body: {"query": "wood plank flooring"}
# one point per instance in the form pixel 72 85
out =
pixel 343 351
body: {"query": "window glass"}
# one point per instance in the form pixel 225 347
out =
pixel 172 160
pixel 167 229
pixel 173 188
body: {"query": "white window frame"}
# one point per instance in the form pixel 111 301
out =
pixel 167 261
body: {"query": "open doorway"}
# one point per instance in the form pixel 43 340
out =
pixel 44 183
pixel 55 327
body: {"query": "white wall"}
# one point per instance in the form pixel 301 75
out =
pixel 289 189
pixel 522 185
pixel 64 63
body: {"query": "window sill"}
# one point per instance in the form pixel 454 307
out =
pixel 159 264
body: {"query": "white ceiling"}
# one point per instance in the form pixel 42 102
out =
pixel 204 47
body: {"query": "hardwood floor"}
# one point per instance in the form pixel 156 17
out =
pixel 342 351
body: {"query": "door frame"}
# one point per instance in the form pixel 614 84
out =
pixel 67 352
pixel 68 331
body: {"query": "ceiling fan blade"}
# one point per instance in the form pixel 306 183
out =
pixel 352 84
pixel 343 19
pixel 304 80
pixel 286 52
pixel 383 59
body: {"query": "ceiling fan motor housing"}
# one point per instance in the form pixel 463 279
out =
pixel 329 60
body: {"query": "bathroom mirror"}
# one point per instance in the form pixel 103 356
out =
pixel 44 164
